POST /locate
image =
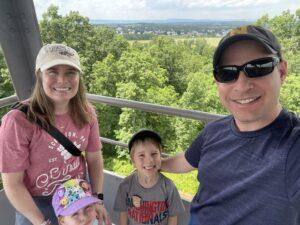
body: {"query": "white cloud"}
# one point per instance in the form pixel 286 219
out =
pixel 164 9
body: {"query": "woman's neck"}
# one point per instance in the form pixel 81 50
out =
pixel 61 108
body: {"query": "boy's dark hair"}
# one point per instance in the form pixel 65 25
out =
pixel 142 135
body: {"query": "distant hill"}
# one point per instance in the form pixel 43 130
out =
pixel 172 21
pixel 147 29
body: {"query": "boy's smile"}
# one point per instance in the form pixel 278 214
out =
pixel 147 159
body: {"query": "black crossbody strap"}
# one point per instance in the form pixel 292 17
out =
pixel 53 131
pixel 69 146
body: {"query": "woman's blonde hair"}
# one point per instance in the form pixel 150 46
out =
pixel 41 107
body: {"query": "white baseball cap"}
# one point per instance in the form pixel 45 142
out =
pixel 56 54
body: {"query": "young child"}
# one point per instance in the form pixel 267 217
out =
pixel 74 204
pixel 147 196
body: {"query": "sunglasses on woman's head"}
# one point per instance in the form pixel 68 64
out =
pixel 255 68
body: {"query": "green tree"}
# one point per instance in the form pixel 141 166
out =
pixel 263 21
pixel 169 55
pixel 290 94
pixel 6 86
pixel 201 95
pixel 92 43
pixel 286 27
pixel 135 76
pixel 145 81
pixel 104 78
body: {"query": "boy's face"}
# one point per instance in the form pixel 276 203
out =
pixel 84 216
pixel 146 158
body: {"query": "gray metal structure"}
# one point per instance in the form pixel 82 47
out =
pixel 20 41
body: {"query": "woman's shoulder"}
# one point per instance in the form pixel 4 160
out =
pixel 91 109
pixel 14 114
pixel 15 118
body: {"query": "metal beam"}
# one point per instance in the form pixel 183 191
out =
pixel 154 108
pixel 20 41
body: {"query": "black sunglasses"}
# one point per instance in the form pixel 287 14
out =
pixel 255 68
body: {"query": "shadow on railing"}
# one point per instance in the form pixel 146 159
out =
pixel 112 180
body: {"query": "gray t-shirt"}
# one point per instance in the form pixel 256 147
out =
pixel 148 205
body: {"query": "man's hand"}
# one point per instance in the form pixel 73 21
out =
pixel 102 215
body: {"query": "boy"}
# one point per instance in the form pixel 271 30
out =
pixel 146 196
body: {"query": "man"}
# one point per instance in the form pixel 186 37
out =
pixel 248 163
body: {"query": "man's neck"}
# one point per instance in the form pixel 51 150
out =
pixel 246 126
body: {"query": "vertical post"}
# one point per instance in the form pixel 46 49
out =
pixel 20 41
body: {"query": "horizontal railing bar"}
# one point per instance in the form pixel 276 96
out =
pixel 155 108
pixel 8 100
pixel 113 142
pixel 148 107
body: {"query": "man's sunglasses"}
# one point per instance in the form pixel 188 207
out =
pixel 255 68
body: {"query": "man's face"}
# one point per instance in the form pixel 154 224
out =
pixel 254 102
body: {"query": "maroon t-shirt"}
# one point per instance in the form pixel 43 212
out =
pixel 26 147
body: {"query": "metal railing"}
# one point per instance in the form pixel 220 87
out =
pixel 113 180
pixel 143 106
pixel 8 101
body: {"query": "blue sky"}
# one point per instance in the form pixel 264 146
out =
pixel 170 9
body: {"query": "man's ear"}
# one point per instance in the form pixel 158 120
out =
pixel 282 67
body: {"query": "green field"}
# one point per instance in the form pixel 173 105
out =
pixel 213 41
pixel 210 40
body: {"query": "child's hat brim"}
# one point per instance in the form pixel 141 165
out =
pixel 81 203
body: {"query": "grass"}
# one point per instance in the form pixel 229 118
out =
pixel 213 41
pixel 186 184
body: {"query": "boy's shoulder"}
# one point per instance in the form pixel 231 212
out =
pixel 128 180
pixel 167 181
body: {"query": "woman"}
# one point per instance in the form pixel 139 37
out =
pixel 33 164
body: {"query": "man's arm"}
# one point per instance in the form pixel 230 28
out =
pixel 20 197
pixel 176 164
pixel 95 168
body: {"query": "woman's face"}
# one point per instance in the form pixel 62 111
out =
pixel 84 216
pixel 60 83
